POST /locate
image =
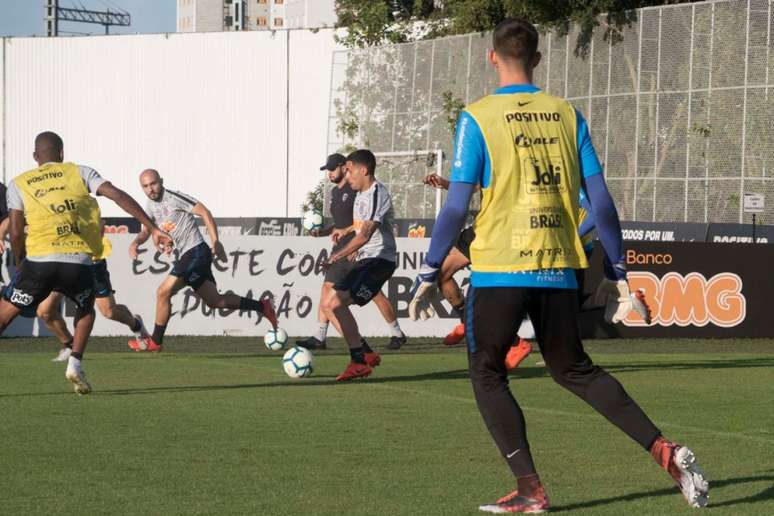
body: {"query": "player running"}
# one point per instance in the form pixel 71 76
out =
pixel 341 231
pixel 374 252
pixel 63 235
pixel 176 213
pixel 522 265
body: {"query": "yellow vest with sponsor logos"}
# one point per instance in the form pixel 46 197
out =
pixel 61 215
pixel 107 249
pixel 530 209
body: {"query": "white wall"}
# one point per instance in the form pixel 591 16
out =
pixel 209 111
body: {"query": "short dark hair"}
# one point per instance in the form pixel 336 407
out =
pixel 364 157
pixel 49 142
pixel 515 39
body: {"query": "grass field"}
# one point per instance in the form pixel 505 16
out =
pixel 213 426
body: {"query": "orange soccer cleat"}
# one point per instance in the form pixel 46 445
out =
pixel 517 354
pixel 354 370
pixel 373 359
pixel 681 465
pixel 144 344
pixel 268 311
pixel 455 336
pixel 514 502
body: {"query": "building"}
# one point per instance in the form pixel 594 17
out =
pixel 235 15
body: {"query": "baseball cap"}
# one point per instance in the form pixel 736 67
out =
pixel 334 160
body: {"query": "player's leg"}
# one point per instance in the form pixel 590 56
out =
pixel 50 313
pixel 492 318
pixel 454 262
pixel 319 339
pixel 397 337
pixel 76 281
pixel 168 288
pixel 106 302
pixel 574 370
pixel 8 312
pixel 208 291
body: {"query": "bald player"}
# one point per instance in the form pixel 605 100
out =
pixel 176 212
pixel 63 236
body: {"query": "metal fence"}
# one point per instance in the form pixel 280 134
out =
pixel 681 111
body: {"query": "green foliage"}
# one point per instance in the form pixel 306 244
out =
pixel 315 200
pixel 451 108
pixel 375 22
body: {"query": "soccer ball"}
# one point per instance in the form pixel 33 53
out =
pixel 298 362
pixel 275 340
pixel 313 219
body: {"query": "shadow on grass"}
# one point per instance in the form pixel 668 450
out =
pixel 765 495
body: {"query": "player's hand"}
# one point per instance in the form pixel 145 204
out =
pixel 219 251
pixel 162 241
pixel 436 181
pixel 314 233
pixel 134 250
pixel 338 234
pixel 423 291
pixel 2 246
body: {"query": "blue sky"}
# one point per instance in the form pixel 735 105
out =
pixel 25 17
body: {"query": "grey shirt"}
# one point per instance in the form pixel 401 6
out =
pixel 376 204
pixel 92 180
pixel 173 215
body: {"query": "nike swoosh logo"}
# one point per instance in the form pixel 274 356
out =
pixel 522 104
pixel 509 455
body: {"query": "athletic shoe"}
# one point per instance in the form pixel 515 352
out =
pixel 396 342
pixel 144 344
pixel 78 379
pixel 514 502
pixel 63 355
pixel 267 310
pixel 354 370
pixel 312 343
pixel 142 332
pixel 517 354
pixel 456 336
pixel 641 306
pixel 136 344
pixel 681 465
pixel 372 359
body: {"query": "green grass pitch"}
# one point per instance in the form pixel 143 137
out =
pixel 213 426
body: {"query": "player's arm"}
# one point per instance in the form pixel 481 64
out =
pixel 361 238
pixel 4 227
pixel 140 239
pixel 338 234
pixel 18 238
pixel 200 210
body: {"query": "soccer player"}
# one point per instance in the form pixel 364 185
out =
pixel 341 231
pixel 63 235
pixel 50 313
pixel 524 265
pixel 374 252
pixel 177 212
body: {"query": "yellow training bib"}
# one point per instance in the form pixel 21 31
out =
pixel 530 209
pixel 62 217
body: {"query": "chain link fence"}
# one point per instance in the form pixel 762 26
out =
pixel 681 111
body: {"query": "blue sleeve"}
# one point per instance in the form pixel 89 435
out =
pixel 470 153
pixel 587 156
pixel 450 221
pixel 607 222
pixel 587 226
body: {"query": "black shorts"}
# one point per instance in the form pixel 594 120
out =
pixel 195 266
pixel 366 279
pixel 338 271
pixel 464 240
pixel 34 281
pixel 102 279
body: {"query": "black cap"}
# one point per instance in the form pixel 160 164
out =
pixel 334 160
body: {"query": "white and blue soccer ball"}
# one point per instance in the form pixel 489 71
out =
pixel 312 220
pixel 298 362
pixel 275 340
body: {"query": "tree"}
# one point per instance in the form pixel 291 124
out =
pixel 375 22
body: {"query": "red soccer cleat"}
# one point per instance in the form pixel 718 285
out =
pixel 354 370
pixel 146 344
pixel 135 345
pixel 268 311
pixel 373 359
pixel 517 354
pixel 455 336
pixel 681 465
pixel 514 502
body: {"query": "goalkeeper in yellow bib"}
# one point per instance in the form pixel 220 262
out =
pixel 63 236
pixel 530 153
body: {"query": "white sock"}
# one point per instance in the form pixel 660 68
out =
pixel 395 330
pixel 322 331
pixel 73 364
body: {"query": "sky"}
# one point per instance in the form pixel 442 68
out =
pixel 25 17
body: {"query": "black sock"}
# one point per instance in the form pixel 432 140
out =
pixel 250 304
pixel 366 347
pixel 357 355
pixel 521 463
pixel 77 355
pixel 158 333
pixel 460 311
pixel 137 325
pixel 68 344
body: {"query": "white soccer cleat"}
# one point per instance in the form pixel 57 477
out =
pixel 640 306
pixel 691 480
pixel 78 379
pixel 63 355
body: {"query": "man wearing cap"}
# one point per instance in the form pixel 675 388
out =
pixel 341 232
